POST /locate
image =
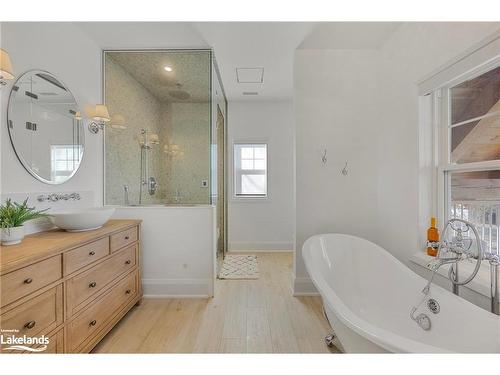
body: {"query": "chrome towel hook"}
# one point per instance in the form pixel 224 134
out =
pixel 324 158
pixel 345 170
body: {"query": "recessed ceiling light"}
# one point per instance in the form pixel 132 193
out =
pixel 167 68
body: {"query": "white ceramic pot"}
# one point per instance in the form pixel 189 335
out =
pixel 12 236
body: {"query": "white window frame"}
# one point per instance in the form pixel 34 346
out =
pixel 441 104
pixel 53 170
pixel 248 197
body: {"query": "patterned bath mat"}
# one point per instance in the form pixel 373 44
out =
pixel 239 267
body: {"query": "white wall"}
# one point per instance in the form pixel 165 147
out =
pixel 63 50
pixel 363 106
pixel 266 224
pixel 177 249
pixel 178 246
pixel 335 110
pixel 414 51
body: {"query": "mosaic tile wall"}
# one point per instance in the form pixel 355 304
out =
pixel 180 177
pixel 125 96
pixel 190 130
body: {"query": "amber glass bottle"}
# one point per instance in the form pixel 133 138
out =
pixel 432 238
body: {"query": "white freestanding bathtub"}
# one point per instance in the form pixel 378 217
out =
pixel 368 295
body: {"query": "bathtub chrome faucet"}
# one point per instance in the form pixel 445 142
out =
pixel 460 248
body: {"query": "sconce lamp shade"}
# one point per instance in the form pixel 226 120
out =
pixel 6 71
pixel 118 122
pixel 154 139
pixel 101 113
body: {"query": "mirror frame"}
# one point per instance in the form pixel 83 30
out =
pixel 19 157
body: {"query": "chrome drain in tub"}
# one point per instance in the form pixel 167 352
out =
pixel 433 305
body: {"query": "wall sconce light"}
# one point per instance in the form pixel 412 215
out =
pixel 6 71
pixel 148 140
pixel 173 150
pixel 154 139
pixel 118 122
pixel 100 117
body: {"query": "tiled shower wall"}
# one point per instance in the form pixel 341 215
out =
pixel 190 129
pixel 180 178
pixel 141 110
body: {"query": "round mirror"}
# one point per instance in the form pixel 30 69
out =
pixel 45 127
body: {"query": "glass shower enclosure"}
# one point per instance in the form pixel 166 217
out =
pixel 158 145
pixel 165 143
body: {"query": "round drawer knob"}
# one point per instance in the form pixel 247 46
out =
pixel 128 262
pixel 29 280
pixel 128 291
pixel 92 284
pixel 127 237
pixel 92 253
pixel 93 323
pixel 30 324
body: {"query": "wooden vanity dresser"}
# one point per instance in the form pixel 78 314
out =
pixel 71 287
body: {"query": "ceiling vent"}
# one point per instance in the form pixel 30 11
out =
pixel 250 75
pixel 250 93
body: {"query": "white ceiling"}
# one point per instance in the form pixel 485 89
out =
pixel 256 44
pixel 245 44
pixel 349 35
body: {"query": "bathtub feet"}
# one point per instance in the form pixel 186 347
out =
pixel 329 340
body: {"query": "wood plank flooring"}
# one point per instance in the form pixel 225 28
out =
pixel 245 316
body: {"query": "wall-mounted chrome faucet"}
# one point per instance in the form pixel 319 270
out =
pixel 55 197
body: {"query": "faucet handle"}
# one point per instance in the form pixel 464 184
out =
pixel 434 264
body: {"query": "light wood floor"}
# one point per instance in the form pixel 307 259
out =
pixel 245 316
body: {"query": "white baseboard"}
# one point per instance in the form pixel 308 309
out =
pixel 235 246
pixel 303 286
pixel 176 288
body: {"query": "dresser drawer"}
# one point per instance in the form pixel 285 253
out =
pixel 124 238
pixel 101 311
pixel 83 286
pixel 85 255
pixel 17 284
pixel 34 317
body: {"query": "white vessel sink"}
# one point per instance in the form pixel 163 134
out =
pixel 82 220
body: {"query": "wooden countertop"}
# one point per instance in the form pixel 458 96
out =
pixel 42 245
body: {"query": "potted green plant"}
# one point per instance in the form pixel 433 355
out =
pixel 12 217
